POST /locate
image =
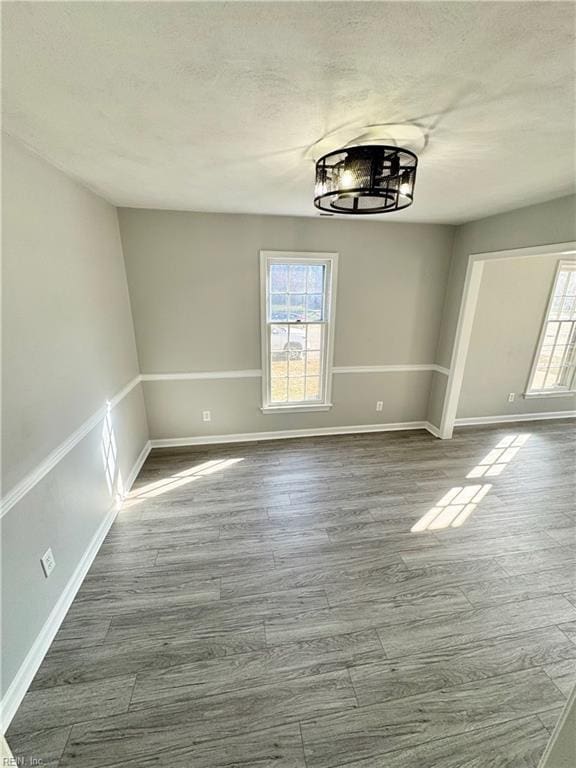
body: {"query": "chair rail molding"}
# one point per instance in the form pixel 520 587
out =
pixel 514 417
pixel 28 482
pixel 256 373
pixel 17 492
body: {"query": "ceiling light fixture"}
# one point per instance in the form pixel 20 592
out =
pixel 365 179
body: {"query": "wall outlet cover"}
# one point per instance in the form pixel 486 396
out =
pixel 511 397
pixel 379 405
pixel 48 562
pixel 206 416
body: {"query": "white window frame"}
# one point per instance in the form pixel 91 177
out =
pixel 330 262
pixel 559 391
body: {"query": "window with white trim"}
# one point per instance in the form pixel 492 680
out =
pixel 554 366
pixel 298 307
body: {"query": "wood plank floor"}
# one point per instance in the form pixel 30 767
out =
pixel 370 601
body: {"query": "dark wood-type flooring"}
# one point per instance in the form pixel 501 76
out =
pixel 370 601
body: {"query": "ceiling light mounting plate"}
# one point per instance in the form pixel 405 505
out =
pixel 410 136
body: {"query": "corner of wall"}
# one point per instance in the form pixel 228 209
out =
pixel 63 496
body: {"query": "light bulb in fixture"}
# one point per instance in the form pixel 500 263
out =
pixel 347 179
pixel 405 184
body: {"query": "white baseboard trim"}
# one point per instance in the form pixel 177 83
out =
pixel 432 429
pixel 6 756
pixel 512 417
pixel 561 735
pixel 285 434
pixel 18 687
pixel 138 464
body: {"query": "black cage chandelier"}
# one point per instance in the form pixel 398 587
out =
pixel 365 179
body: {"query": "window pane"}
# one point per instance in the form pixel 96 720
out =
pixel 297 364
pixel 296 389
pixel 314 339
pixel 316 279
pixel 313 364
pixel 569 308
pixel 556 307
pixel 278 339
pixel 314 306
pixel 562 283
pixel 551 331
pixel 557 355
pixel 552 377
pixel 538 382
pixel 297 307
pixel 566 375
pixel 564 333
pixel 297 280
pixel 312 388
pixel 297 339
pixel 278 278
pixel 279 390
pixel 279 307
pixel 279 365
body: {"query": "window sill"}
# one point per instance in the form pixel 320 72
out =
pixel 533 395
pixel 296 408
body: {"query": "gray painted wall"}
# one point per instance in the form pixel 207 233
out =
pixel 174 407
pixel 436 399
pixel 552 222
pixel 68 346
pixel 194 285
pixel 509 315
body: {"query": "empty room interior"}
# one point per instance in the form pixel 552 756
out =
pixel 288 384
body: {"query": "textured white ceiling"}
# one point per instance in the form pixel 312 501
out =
pixel 211 106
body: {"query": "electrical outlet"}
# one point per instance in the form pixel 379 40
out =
pixel 511 397
pixel 48 562
pixel 379 405
pixel 206 416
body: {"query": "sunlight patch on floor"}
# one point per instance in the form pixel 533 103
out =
pixel 452 509
pixel 498 458
pixel 177 480
pixel 456 506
